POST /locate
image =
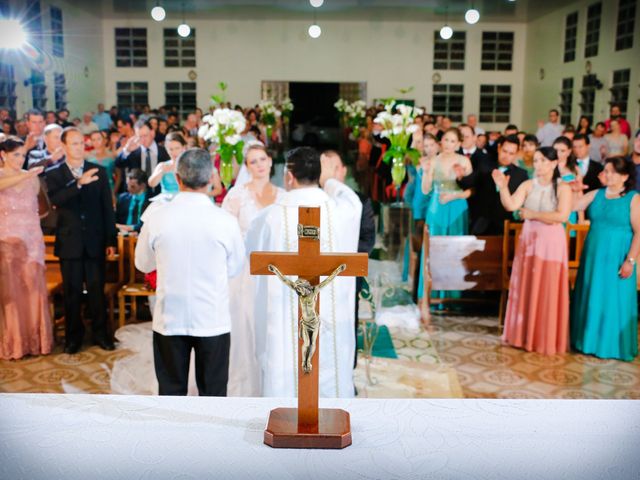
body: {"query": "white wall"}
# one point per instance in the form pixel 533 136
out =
pixel 82 48
pixel 387 55
pixel 545 49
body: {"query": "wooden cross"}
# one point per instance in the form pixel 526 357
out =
pixel 308 426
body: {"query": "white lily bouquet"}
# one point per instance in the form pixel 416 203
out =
pixel 286 107
pixel 269 115
pixel 354 113
pixel 223 129
pixel 398 128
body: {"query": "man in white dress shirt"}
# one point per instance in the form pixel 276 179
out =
pixel 551 130
pixel 195 247
pixel 276 306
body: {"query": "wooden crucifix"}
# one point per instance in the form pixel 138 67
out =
pixel 308 426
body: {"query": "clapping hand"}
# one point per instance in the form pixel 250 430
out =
pixel 88 177
pixel 500 179
pixel 57 154
pixel 132 144
pixel 525 213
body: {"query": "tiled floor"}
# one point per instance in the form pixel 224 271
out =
pixel 464 347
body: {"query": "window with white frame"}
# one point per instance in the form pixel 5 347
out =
pixel 495 103
pixel 594 15
pixel 566 100
pixel 588 96
pixel 497 50
pixel 620 90
pixel 180 96
pixel 57 36
pixel 626 24
pixel 60 90
pixel 130 94
pixel 448 100
pixel 179 51
pixel 570 37
pixel 33 23
pixel 38 90
pixel 449 54
pixel 7 87
pixel 131 47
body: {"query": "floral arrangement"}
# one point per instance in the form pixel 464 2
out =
pixel 354 113
pixel 398 128
pixel 269 115
pixel 286 107
pixel 223 129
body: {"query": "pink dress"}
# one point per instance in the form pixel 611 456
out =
pixel 25 323
pixel 537 317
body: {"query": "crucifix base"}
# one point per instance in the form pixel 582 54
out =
pixel 333 429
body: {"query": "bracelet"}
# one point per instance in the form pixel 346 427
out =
pixel 632 261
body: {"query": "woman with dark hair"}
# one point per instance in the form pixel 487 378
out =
pixel 584 126
pixel 537 315
pixel 25 324
pixel 604 312
pixel 569 172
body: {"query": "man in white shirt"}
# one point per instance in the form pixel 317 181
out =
pixel 195 247
pixel 276 306
pixel 551 130
pixel 88 126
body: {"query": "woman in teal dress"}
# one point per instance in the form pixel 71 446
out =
pixel 447 213
pixel 165 172
pixel 604 310
pixel 105 158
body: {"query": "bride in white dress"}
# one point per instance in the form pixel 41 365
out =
pixel 245 202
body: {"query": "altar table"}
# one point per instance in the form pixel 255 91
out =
pixel 146 437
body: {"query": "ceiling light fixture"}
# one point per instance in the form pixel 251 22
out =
pixel 316 3
pixel 158 13
pixel 446 32
pixel 472 16
pixel 184 29
pixel 315 31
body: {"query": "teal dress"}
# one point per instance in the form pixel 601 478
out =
pixel 604 308
pixel 109 165
pixel 169 184
pixel 573 216
pixel 418 202
pixel 445 219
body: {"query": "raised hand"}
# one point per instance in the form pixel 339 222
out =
pixel 132 144
pixel 35 171
pixel 500 179
pixel 88 177
pixel 458 170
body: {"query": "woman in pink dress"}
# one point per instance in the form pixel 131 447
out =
pixel 537 317
pixel 25 324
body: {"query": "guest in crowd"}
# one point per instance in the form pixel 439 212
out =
pixel 551 130
pixel 604 311
pixel 132 204
pixel 245 202
pixel 617 140
pixel 102 119
pixel 34 140
pixel 537 314
pixel 584 126
pixel 85 232
pixel 472 121
pixel 52 152
pixel 569 173
pixel 63 118
pixel 525 161
pixel 616 114
pixel 165 172
pixel 126 131
pixel 491 213
pixel 589 169
pixel 25 323
pixel 88 125
pixel 141 151
pixel 197 277
pixel 598 143
pixel 104 157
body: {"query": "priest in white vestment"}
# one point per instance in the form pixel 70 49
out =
pixel 276 305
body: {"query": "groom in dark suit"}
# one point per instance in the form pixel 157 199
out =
pixel 141 151
pixel 85 231
pixel 589 169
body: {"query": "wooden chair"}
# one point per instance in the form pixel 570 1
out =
pixel 115 280
pixel 135 286
pixel 53 278
pixel 510 238
pixel 575 249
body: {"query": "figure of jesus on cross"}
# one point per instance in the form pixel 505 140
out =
pixel 308 426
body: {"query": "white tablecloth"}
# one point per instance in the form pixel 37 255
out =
pixel 94 436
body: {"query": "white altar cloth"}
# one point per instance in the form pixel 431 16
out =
pixel 145 437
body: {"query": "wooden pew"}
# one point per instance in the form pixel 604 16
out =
pixel 134 287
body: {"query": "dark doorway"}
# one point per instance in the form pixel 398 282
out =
pixel 314 120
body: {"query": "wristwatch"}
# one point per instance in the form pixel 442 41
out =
pixel 632 261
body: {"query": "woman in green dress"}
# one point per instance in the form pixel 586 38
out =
pixel 604 310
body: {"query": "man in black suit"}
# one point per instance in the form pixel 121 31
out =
pixel 589 169
pixel 491 213
pixel 141 151
pixel 85 231
pixel 478 157
pixel 132 204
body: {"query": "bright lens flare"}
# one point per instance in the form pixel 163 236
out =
pixel 158 13
pixel 314 31
pixel 13 34
pixel 446 32
pixel 184 30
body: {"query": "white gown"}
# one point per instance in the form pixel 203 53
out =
pixel 244 374
pixel 276 306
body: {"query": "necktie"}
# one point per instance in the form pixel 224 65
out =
pixel 144 160
pixel 467 154
pixel 76 172
pixel 134 209
pixel 153 160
